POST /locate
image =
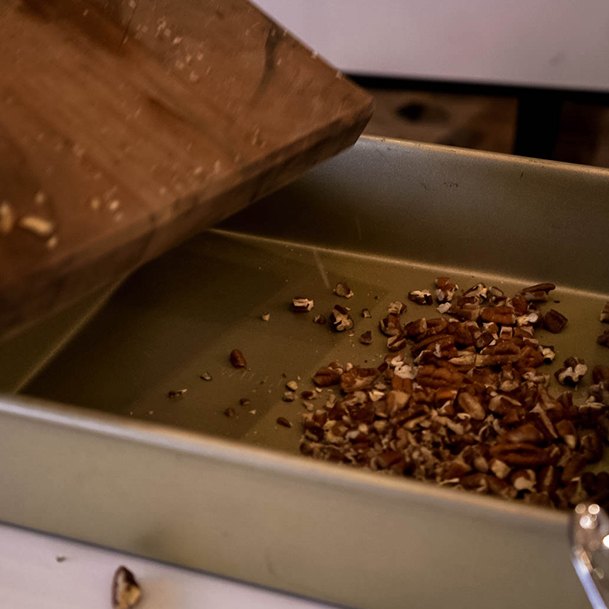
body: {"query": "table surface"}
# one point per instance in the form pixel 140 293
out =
pixel 40 571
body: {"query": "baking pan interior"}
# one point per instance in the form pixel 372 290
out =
pixel 385 218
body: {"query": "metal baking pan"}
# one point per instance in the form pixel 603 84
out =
pixel 92 448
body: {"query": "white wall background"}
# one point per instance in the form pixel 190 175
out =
pixel 557 43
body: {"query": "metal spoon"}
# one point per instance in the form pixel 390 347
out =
pixel 589 537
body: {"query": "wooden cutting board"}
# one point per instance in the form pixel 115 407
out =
pixel 128 125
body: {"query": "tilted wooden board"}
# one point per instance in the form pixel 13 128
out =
pixel 126 126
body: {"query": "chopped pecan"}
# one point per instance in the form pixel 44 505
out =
pixel 390 325
pixel 572 371
pixel 415 329
pixel 523 479
pixel 472 405
pixel 396 342
pixel 445 289
pixel 500 314
pixel 527 433
pixel 301 304
pixel 600 374
pixel 343 290
pixel 604 316
pixel 358 378
pixel 520 454
pixel 396 307
pixel 340 320
pixel 422 297
pixel 366 338
pixel 554 321
pixel 237 359
pixel 538 292
pixel 326 377
pixel 603 339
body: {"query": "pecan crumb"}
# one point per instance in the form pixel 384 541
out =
pixel 604 316
pixel 554 321
pixel 366 338
pixel 301 304
pixel 320 319
pixel 366 313
pixel 343 290
pixel 572 371
pixel 603 339
pixel 284 422
pixel 237 359
pixel 265 316
pixel 206 376
pixel 126 592
pixel 340 320
pixel 175 394
pixel 230 412
pixel 7 218
pixel 422 297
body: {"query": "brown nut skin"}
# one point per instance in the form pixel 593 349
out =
pixel 326 377
pixel 603 339
pixel 237 359
pixel 521 454
pixel 501 314
pixel 554 321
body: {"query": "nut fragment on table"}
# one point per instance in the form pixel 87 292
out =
pixel 126 592
pixel 604 316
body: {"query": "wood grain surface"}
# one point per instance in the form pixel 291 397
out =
pixel 127 126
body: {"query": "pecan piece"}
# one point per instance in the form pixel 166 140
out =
pixel 422 297
pixel 445 289
pixel 520 454
pixel 326 377
pixel 340 320
pixel 572 371
pixel 471 405
pixel 358 378
pixel 603 339
pixel 343 290
pixel 301 304
pixel 600 374
pixel 554 321
pixel 415 329
pixel 237 359
pixel 604 316
pixel 526 433
pixel 126 591
pixel 366 338
pixel 390 325
pixel 538 292
pixel 396 342
pixel 500 314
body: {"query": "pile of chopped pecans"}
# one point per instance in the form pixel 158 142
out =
pixel 461 400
